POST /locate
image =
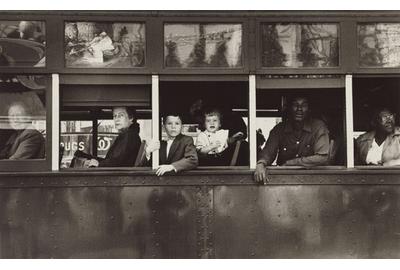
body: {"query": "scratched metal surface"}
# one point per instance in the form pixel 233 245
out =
pixel 100 222
pixel 318 221
pixel 341 215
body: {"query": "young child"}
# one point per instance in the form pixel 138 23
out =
pixel 212 141
pixel 178 153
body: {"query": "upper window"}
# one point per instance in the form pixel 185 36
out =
pixel 203 45
pixel 297 45
pixel 104 45
pixel 22 117
pixel 378 44
pixel 22 44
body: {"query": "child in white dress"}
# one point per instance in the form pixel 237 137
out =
pixel 213 140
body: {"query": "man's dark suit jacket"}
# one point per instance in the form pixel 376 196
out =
pixel 24 144
pixel 182 154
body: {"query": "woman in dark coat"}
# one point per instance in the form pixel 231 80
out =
pixel 126 146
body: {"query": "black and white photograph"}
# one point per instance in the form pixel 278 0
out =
pixel 200 134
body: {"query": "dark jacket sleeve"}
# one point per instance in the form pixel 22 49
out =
pixel 29 146
pixel 124 153
pixel 190 159
pixel 270 150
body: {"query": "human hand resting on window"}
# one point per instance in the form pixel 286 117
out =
pixel 165 168
pixel 91 163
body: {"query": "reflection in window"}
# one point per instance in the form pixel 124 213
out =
pixel 22 117
pixel 300 45
pixel 22 43
pixel 378 44
pixel 203 45
pixel 104 45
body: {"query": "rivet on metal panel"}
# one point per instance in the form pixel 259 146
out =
pixel 66 183
pixel 105 182
pixel 52 213
pixel 154 211
pixel 339 181
pixel 383 193
pixel 125 182
pixel 321 181
pixel 202 181
pixel 253 254
pixel 9 219
pixel 153 255
pixel 157 221
pixel 22 183
pixel 376 200
pixel 42 183
pixel 85 183
pixel 354 221
pixel 241 181
pixel 350 231
pixel 154 233
pixel 222 181
pixel 382 181
pixel 157 244
pixel 112 217
pixel 362 180
pixel 301 180
pixel 27 204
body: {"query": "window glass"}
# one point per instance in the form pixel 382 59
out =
pixel 378 44
pixel 104 45
pixel 297 45
pixel 22 44
pixel 22 117
pixel 203 45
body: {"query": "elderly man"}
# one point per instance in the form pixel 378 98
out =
pixel 381 145
pixel 299 140
pixel 25 142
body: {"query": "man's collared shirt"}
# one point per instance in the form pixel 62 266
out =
pixel 390 148
pixel 306 147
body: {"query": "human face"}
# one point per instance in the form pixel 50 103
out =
pixel 386 121
pixel 173 126
pixel 299 109
pixel 121 118
pixel 212 123
pixel 18 117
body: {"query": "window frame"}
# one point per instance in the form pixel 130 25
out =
pixel 37 164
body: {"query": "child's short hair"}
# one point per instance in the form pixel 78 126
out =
pixel 165 116
pixel 213 112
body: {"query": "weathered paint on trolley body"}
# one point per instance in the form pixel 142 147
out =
pixel 300 214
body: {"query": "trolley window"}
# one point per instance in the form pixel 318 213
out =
pixel 376 132
pixel 300 45
pixel 215 115
pixel 203 45
pixel 22 44
pixel 24 125
pixel 300 121
pixel 107 123
pixel 104 45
